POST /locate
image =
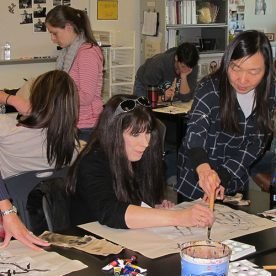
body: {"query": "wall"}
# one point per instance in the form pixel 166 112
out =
pixel 266 23
pixel 128 19
pixel 11 76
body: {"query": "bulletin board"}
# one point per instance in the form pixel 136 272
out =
pixel 22 26
pixel 107 9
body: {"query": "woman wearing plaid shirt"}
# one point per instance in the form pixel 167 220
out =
pixel 230 120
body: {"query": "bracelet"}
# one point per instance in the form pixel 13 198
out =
pixel 12 210
pixel 7 99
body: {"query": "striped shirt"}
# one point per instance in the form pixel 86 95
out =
pixel 87 72
pixel 229 154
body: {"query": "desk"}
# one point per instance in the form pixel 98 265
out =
pixel 264 242
pixel 175 118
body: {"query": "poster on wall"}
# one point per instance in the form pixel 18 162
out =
pixel 236 16
pixel 107 9
pixel 263 7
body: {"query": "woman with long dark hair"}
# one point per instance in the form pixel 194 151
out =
pixel 230 121
pixel 47 136
pixel 121 169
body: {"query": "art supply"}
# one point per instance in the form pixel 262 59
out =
pixel 245 267
pixel 211 206
pixel 125 267
pixel 7 51
pixel 173 87
pixel 202 257
pixel 271 267
pixel 239 249
pixel 2 109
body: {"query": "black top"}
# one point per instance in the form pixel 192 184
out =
pixel 95 199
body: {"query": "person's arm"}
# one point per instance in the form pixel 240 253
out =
pixel 141 217
pixel 188 82
pixel 13 226
pixel 97 192
pixel 197 134
pixel 21 105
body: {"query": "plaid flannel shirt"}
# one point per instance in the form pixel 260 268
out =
pixel 229 154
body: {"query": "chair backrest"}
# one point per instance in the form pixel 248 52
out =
pixel 20 186
pixel 162 131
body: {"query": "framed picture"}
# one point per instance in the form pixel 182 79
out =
pixel 270 36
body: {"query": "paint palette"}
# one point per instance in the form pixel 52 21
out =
pixel 244 268
pixel 239 249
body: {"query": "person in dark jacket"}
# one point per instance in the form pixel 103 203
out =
pixel 120 170
pixel 175 72
pixel 230 121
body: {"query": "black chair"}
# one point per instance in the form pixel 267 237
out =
pixel 20 186
pixel 162 132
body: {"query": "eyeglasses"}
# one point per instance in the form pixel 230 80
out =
pixel 130 104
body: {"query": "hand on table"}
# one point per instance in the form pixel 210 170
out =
pixel 15 228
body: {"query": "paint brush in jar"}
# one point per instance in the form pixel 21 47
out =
pixel 211 206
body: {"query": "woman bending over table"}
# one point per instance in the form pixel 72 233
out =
pixel 231 120
pixel 47 136
pixel 121 168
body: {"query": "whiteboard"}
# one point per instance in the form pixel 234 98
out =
pixel 25 41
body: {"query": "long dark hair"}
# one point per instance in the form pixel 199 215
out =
pixel 61 15
pixel 139 181
pixel 55 108
pixel 246 44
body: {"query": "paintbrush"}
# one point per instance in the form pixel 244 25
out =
pixel 271 267
pixel 211 206
pixel 173 87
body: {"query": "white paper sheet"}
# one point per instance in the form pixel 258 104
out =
pixel 150 23
pixel 22 260
pixel 157 242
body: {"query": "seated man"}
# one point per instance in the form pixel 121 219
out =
pixel 174 72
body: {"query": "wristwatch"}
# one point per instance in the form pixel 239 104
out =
pixel 9 211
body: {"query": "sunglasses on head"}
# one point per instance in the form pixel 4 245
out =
pixel 130 104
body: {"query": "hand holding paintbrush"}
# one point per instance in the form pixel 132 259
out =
pixel 211 206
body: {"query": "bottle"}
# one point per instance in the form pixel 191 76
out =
pixel 2 109
pixel 153 92
pixel 7 51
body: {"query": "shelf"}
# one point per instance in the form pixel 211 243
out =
pixel 119 72
pixel 28 60
pixel 183 26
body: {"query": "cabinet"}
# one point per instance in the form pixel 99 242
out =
pixel 119 68
pixel 203 23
